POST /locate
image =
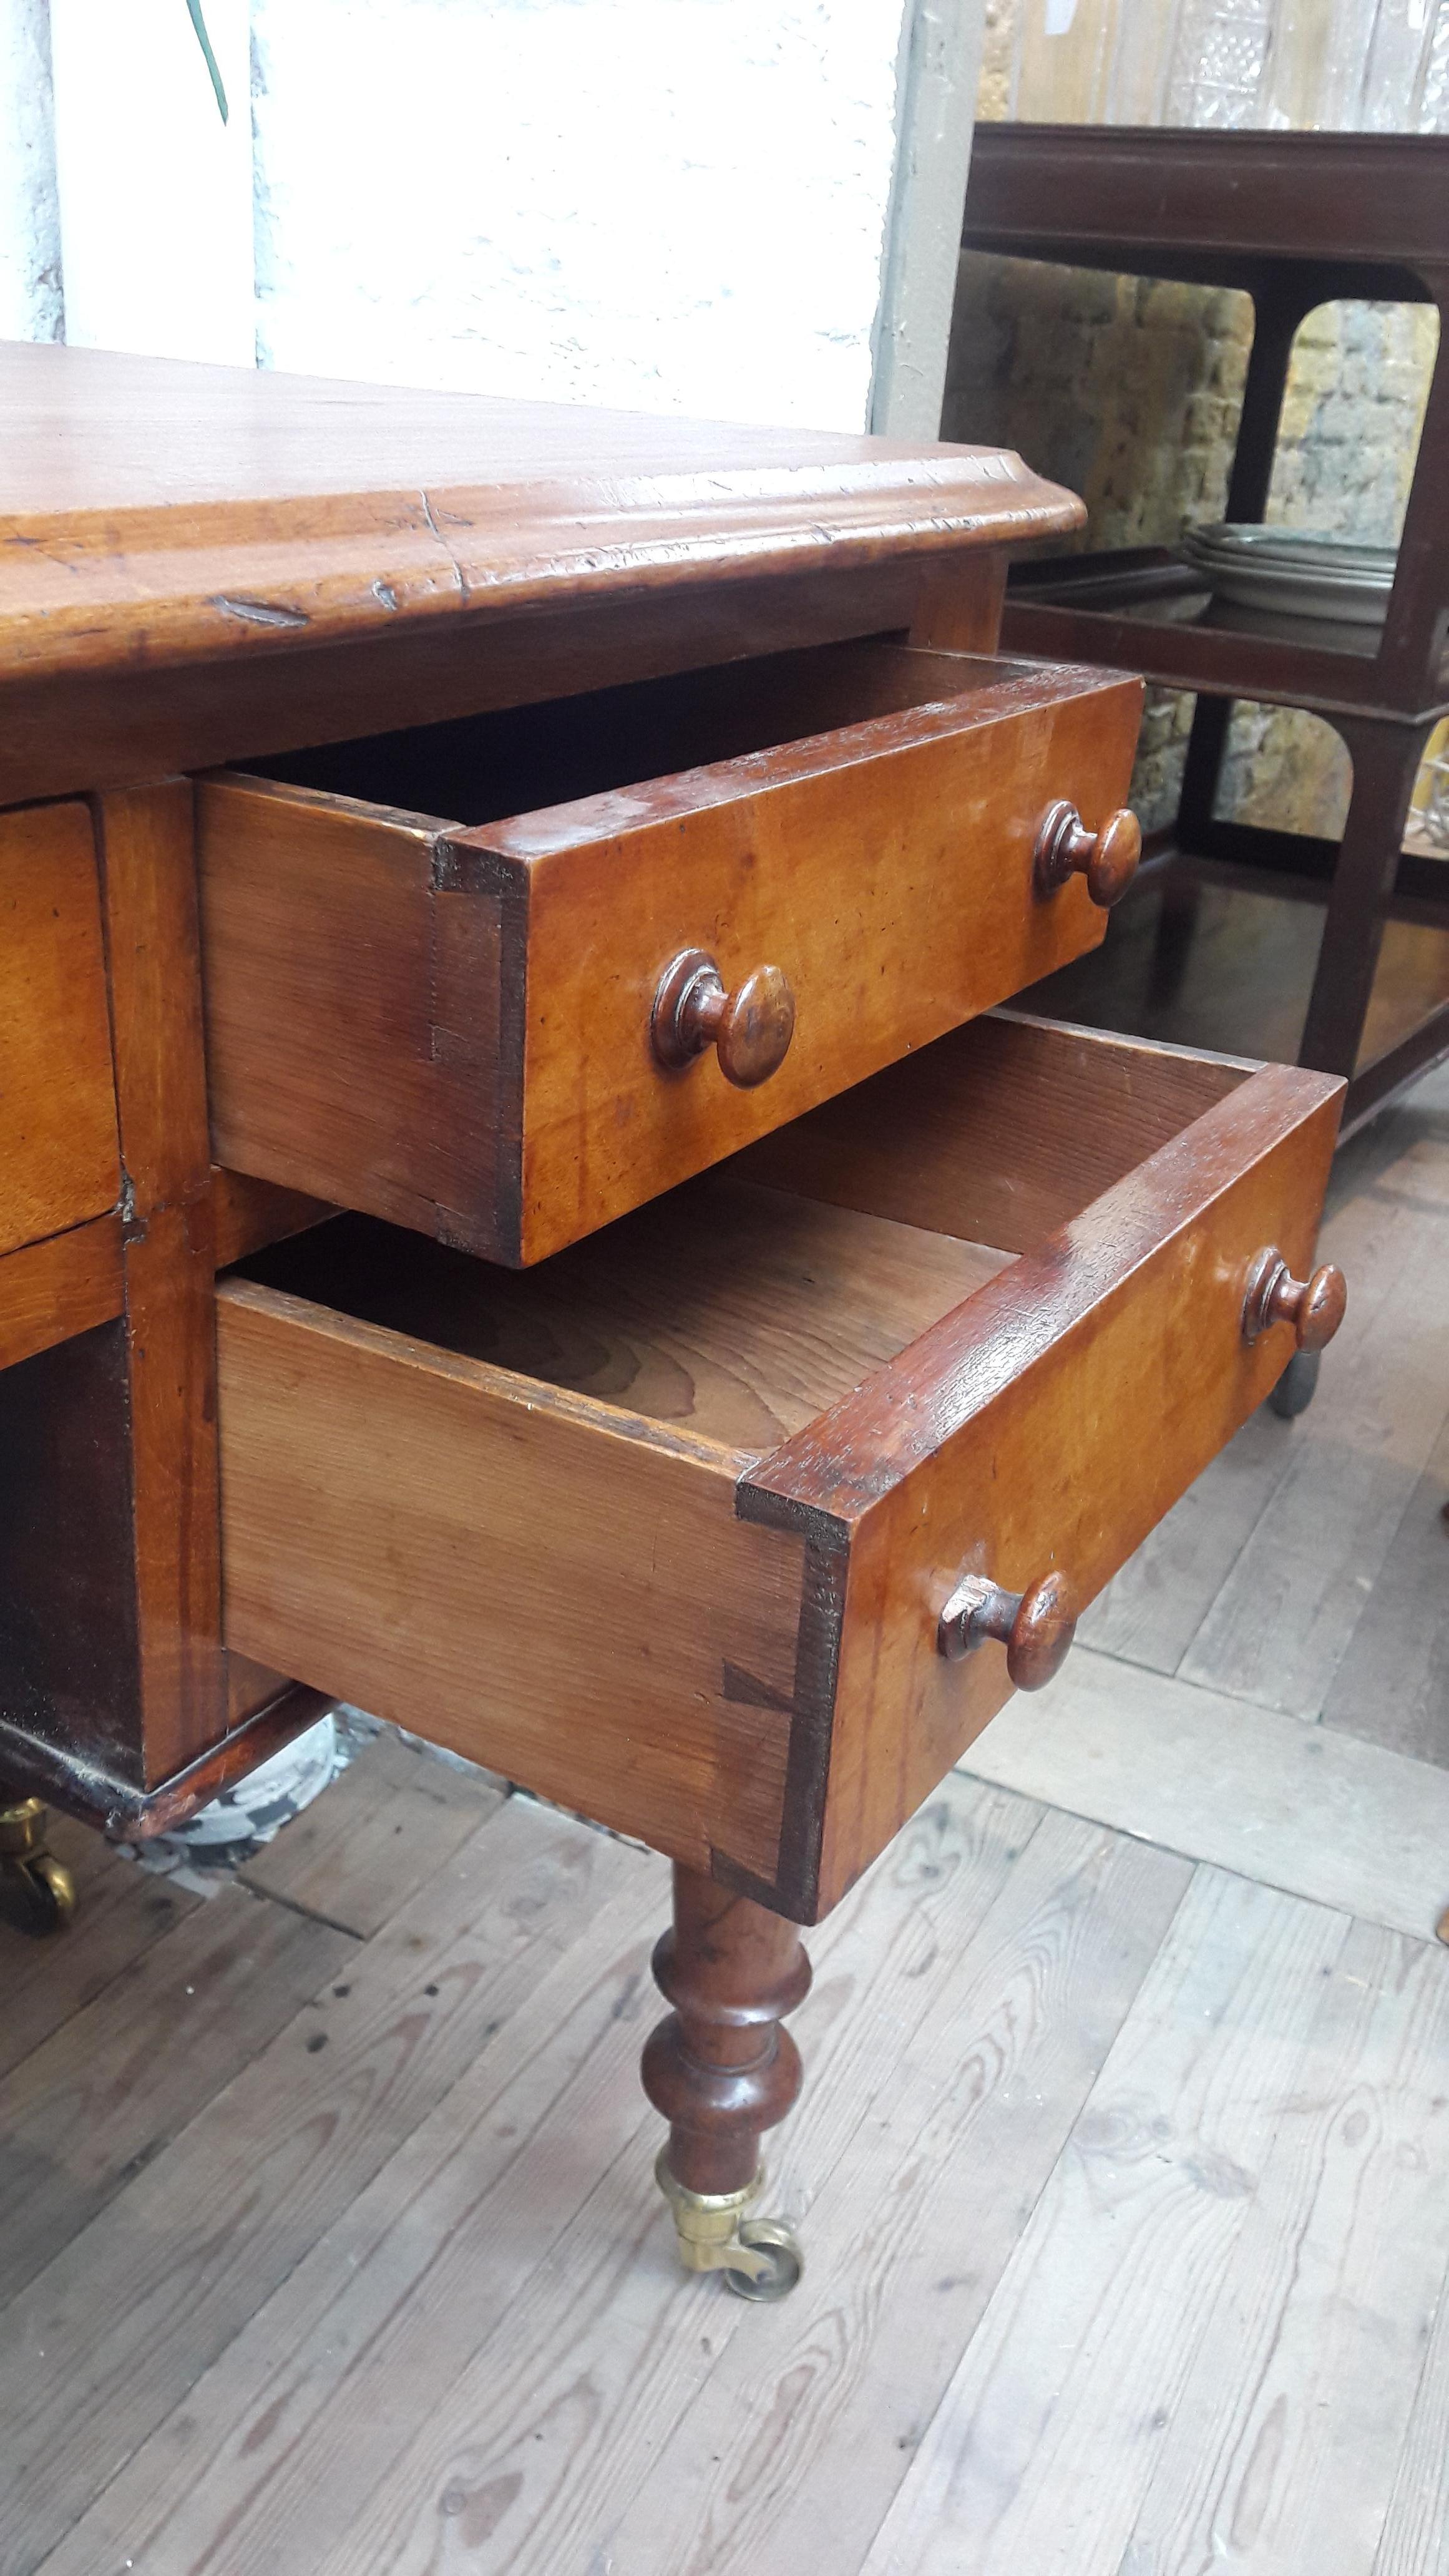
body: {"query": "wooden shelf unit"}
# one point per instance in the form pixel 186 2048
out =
pixel 1295 221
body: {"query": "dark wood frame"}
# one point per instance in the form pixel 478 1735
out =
pixel 1295 220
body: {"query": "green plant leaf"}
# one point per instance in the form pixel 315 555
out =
pixel 193 11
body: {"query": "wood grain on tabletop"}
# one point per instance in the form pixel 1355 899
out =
pixel 156 2287
pixel 186 511
pixel 57 1105
pixel 415 1020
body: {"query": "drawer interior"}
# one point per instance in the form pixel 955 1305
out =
pixel 481 769
pixel 735 1310
pixel 743 1304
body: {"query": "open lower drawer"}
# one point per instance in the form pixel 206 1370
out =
pixel 665 1528
pixel 471 1026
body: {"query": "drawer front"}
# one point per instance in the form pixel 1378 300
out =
pixel 733 1654
pixel 455 1029
pixel 1050 1423
pixel 58 1149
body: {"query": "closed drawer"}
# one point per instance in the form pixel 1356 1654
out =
pixel 59 1162
pixel 665 1528
pixel 469 1027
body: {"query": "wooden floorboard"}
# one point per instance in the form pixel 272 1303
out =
pixel 271 2449
pixel 147 2296
pixel 100 2099
pixel 582 2390
pixel 793 2447
pixel 1415 2539
pixel 1341 1822
pixel 121 1910
pixel 1393 1683
pixel 1121 2167
pixel 368 2355
pixel 393 1818
pixel 1282 2447
pixel 1153 1609
pixel 1041 2451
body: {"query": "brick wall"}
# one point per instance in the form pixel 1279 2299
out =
pixel 1128 390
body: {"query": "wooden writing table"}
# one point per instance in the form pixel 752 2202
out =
pixel 520 1206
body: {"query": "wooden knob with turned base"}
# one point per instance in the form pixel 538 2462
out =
pixel 1036 1626
pixel 750 1029
pixel 1107 859
pixel 1314 1307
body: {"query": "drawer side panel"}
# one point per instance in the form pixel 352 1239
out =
pixel 487 1563
pixel 352 1009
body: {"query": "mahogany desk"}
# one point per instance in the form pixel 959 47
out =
pixel 519 1206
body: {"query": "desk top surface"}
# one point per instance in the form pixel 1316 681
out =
pixel 158 512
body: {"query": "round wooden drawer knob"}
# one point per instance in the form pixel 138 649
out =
pixel 1314 1307
pixel 1107 859
pixel 1036 1626
pixel 750 1029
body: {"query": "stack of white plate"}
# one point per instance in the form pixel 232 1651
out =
pixel 1294 571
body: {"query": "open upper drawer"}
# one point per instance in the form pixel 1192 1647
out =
pixel 485 1028
pixel 665 1529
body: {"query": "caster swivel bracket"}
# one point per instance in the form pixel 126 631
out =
pixel 759 2258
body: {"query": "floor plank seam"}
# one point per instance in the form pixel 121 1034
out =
pixel 310 1913
pixel 1427 1940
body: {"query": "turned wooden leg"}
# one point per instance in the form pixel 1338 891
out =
pixel 721 2069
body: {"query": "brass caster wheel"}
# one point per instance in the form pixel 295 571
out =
pixel 783 2261
pixel 759 2259
pixel 43 1891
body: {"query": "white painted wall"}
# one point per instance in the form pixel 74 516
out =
pixel 741 207
pixel 30 290
pixel 666 204
pixel 155 192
